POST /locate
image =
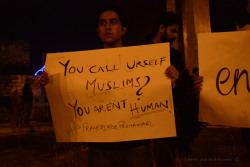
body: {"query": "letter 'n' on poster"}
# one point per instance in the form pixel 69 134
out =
pixel 111 95
pixel 224 64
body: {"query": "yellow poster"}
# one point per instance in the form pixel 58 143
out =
pixel 224 61
pixel 109 95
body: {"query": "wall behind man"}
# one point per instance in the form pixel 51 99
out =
pixel 60 26
pixel 227 14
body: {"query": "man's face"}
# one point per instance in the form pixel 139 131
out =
pixel 109 28
pixel 29 82
pixel 171 33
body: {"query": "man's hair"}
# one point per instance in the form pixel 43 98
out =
pixel 166 19
pixel 113 7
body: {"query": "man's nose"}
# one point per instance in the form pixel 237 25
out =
pixel 108 26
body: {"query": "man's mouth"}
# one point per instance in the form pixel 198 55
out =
pixel 108 34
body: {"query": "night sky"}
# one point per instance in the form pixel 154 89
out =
pixel 61 26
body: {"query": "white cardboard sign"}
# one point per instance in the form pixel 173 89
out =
pixel 224 61
pixel 110 95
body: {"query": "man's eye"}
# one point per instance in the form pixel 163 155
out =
pixel 102 23
pixel 174 31
pixel 113 21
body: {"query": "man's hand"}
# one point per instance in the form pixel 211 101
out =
pixel 198 82
pixel 172 73
pixel 44 79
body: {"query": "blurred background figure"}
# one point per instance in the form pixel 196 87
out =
pixel 27 99
pixel 16 109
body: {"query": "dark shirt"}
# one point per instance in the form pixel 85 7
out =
pixel 184 100
pixel 27 93
pixel 119 145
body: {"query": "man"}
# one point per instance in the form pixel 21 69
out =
pixel 27 104
pixel 111 27
pixel 166 29
pixel 16 108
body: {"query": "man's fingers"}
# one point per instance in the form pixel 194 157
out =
pixel 44 80
pixel 198 83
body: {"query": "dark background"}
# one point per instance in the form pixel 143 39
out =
pixel 226 14
pixel 59 26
